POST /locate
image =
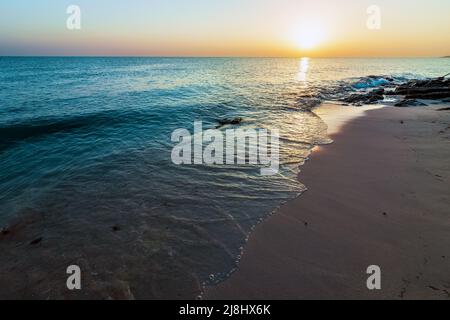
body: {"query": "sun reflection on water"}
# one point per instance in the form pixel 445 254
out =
pixel 302 75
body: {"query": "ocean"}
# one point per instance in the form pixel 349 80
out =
pixel 86 169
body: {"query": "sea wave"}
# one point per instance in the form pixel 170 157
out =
pixel 35 128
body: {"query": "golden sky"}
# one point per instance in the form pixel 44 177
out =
pixel 322 28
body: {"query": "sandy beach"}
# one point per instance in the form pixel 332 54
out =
pixel 379 195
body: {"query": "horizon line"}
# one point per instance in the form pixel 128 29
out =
pixel 224 57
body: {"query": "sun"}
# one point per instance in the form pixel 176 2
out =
pixel 307 40
pixel 307 36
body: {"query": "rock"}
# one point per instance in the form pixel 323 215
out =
pixel 425 89
pixel 235 121
pixel 390 93
pixel 413 90
pixel 366 98
pixel 309 103
pixel 378 91
pixel 429 95
pixel 410 103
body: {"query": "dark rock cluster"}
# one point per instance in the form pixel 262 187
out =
pixel 430 89
pixel 371 97
pixel 410 103
pixel 224 122
pixel 425 89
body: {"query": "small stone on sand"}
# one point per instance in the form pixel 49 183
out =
pixel 36 241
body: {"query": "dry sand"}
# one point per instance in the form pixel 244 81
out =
pixel 379 195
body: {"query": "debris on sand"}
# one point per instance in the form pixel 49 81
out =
pixel 36 241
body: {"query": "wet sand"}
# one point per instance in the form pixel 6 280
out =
pixel 379 195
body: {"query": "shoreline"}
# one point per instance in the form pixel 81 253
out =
pixel 377 196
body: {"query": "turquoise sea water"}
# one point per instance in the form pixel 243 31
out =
pixel 85 164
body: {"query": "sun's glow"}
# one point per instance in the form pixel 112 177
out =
pixel 307 36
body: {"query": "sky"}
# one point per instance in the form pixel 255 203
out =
pixel 291 28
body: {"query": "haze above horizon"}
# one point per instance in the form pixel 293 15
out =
pixel 232 28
